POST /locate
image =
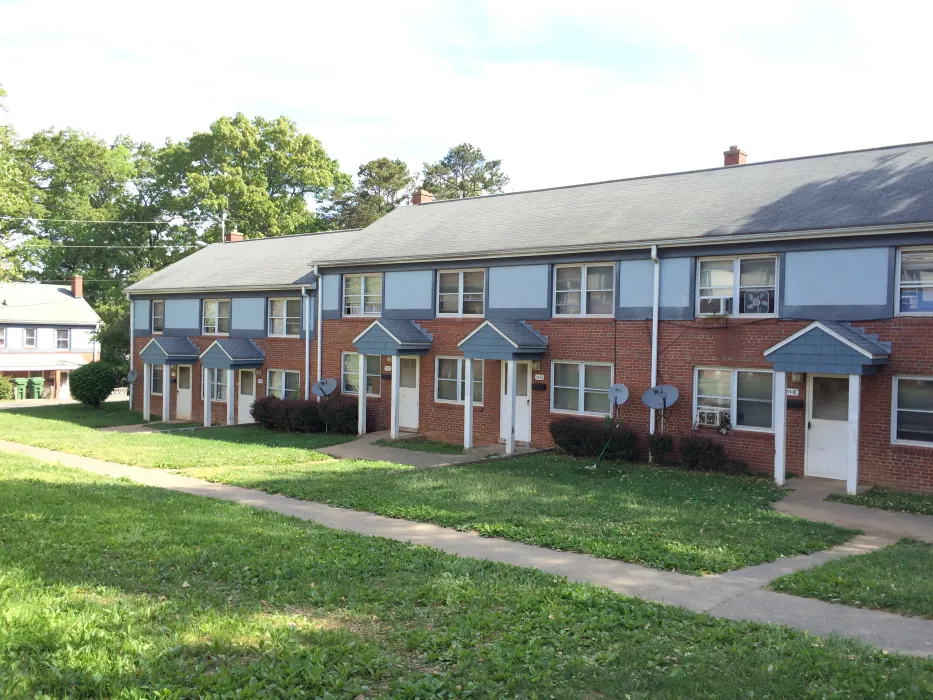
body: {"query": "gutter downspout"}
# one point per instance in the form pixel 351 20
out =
pixel 655 302
pixel 320 324
pixel 306 307
pixel 132 346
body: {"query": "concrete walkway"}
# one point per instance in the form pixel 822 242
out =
pixel 807 501
pixel 364 448
pixel 736 595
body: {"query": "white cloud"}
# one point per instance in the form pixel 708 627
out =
pixel 519 79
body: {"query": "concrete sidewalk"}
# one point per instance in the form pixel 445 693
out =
pixel 736 595
pixel 365 448
pixel 807 501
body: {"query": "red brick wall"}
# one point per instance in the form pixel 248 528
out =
pixel 683 345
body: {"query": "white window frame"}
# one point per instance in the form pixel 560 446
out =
pixel 363 277
pixel 583 290
pixel 581 388
pixel 362 380
pixel 734 395
pixel 459 313
pixel 152 316
pixel 894 389
pixel 67 333
pixel 736 290
pixel 3 338
pixel 478 377
pixel 285 318
pixel 212 371
pixel 897 285
pixel 218 302
pixel 35 338
pixel 155 387
pixel 283 372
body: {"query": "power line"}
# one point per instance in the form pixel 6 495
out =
pixel 107 221
pixel 68 245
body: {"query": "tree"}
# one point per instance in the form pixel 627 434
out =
pixel 259 174
pixel 383 185
pixel 464 172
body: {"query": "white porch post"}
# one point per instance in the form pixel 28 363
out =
pixel 780 427
pixel 361 415
pixel 231 373
pixel 147 391
pixel 206 380
pixel 393 428
pixel 166 393
pixel 855 402
pixel 467 403
pixel 511 372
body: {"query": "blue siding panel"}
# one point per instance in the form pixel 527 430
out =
pixel 409 294
pixel 518 292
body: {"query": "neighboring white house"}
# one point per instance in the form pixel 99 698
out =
pixel 46 330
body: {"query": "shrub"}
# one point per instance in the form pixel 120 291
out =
pixel 582 437
pixel 702 454
pixel 335 415
pixel 6 389
pixel 92 383
pixel 660 447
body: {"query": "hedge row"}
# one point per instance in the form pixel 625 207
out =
pixel 336 414
pixel 585 437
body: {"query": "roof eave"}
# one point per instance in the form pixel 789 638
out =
pixel 130 291
pixel 644 244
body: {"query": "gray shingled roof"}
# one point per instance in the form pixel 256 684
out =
pixel 30 302
pixel 240 349
pixel 176 346
pixel 262 263
pixel 859 337
pixel 878 187
pixel 407 332
pixel 520 334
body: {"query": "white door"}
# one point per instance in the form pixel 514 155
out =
pixel 246 395
pixel 827 426
pixel 522 402
pixel 408 393
pixel 183 392
pixel 64 391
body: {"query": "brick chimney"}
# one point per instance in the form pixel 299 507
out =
pixel 734 156
pixel 421 197
pixel 77 286
pixel 233 236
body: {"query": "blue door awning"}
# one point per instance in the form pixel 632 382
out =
pixel 503 340
pixel 829 347
pixel 169 351
pixel 227 353
pixel 388 336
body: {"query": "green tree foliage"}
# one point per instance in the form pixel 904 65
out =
pixel 464 172
pixel 15 197
pixel 383 185
pixel 260 174
pixel 92 383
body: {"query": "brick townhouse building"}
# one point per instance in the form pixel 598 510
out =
pixel 788 301
pixel 46 332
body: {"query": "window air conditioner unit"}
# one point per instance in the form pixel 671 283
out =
pixel 716 306
pixel 710 418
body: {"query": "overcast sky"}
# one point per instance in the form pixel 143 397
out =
pixel 562 91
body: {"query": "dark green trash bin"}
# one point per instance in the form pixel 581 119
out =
pixel 35 387
pixel 19 388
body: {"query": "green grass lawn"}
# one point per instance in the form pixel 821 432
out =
pixel 898 578
pixel 664 518
pixel 113 589
pixel 237 446
pixel 919 503
pixel 109 413
pixel 436 446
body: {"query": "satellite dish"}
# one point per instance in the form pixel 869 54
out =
pixel 660 397
pixel 131 376
pixel 618 394
pixel 324 388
